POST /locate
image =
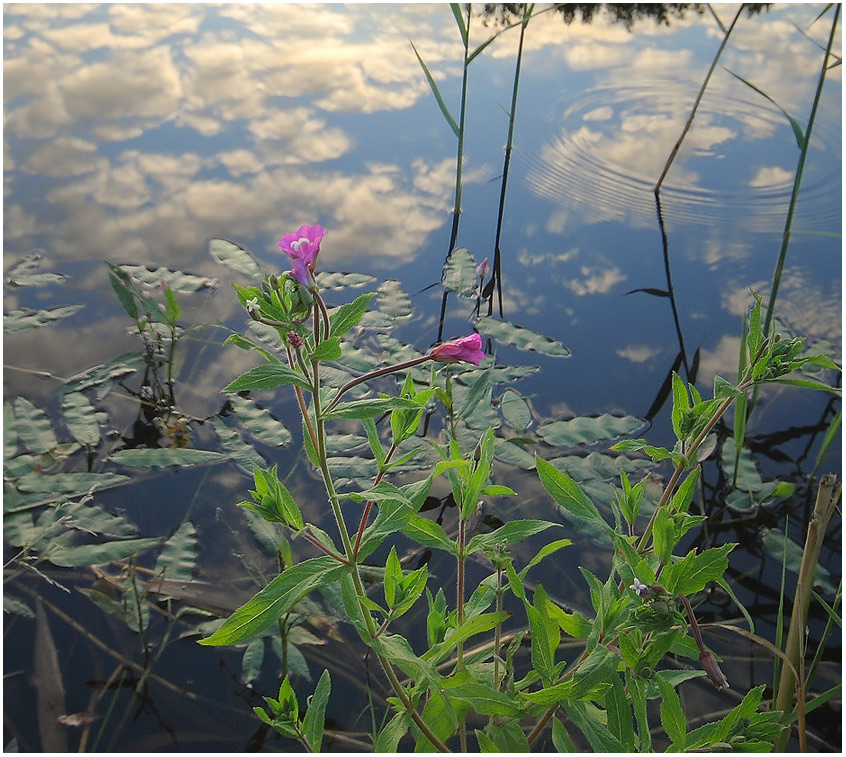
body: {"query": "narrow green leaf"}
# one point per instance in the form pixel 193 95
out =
pixel 267 377
pixel 96 554
pixel 511 533
pixel 429 534
pixel 459 19
pixel 34 428
pixel 370 407
pixel 16 321
pixel 81 418
pixel 567 493
pixel 797 130
pixel 315 717
pixel 279 596
pixel 672 715
pixel 437 93
pixel 586 718
pixel 348 315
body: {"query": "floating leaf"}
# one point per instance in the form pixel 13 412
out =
pixel 774 544
pixel 599 466
pixel 95 520
pixel 22 320
pixel 587 430
pixel 515 410
pixel 81 418
pixel 16 606
pixel 522 338
pixel 459 274
pixel 96 554
pixel 259 422
pixel 393 301
pixel 179 553
pixel 232 255
pixel 24 273
pixel 34 428
pixel 69 484
pixel 179 281
pixel 122 365
pixel 235 447
pixel 327 280
pixel 163 457
pixel 10 433
pixel 513 453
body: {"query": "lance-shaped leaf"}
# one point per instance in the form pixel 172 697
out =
pixel 267 377
pixel 459 274
pixel 21 320
pixel 314 719
pixel 694 571
pixel 34 428
pixel 165 456
pixel 279 596
pixel 81 419
pixel 348 315
pixel 176 561
pixel 96 554
pixel 512 532
pixel 370 407
pixel 437 93
pixel 567 493
pixel 586 430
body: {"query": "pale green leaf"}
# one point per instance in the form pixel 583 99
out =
pixel 515 410
pixel 232 255
pixel 96 554
pixel 459 273
pixel 177 558
pixel 158 278
pixel 34 428
pixel 587 430
pixel 81 418
pixel 16 321
pixel 165 456
pixel 522 338
pixel 259 421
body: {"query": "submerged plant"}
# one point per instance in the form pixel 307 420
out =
pixel 642 610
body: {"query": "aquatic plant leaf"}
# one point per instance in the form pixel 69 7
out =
pixel 49 686
pixel 600 467
pixel 587 430
pixel 33 427
pixel 164 456
pixel 82 419
pixel 68 484
pixel 158 278
pixel 279 596
pixel 259 421
pixel 179 554
pixel 96 554
pixel 16 606
pixel 393 301
pixel 459 274
pixel 121 365
pixel 267 377
pixel 339 280
pixel 234 256
pixel 780 549
pixel 515 410
pixel 521 338
pixel 794 124
pixel 10 432
pixel 16 321
pixel 95 520
pixel 25 273
pixel 513 453
pixel 252 660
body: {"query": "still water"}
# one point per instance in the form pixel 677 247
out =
pixel 138 133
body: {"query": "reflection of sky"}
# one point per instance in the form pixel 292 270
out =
pixel 137 132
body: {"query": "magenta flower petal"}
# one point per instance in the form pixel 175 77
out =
pixel 303 244
pixel 299 270
pixel 468 349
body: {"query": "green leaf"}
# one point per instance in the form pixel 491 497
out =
pixel 267 377
pixel 475 625
pixel 315 717
pixel 512 532
pixel 164 456
pixel 586 718
pixel 389 737
pixel 348 315
pixel 567 493
pixel 179 553
pixel 23 273
pixel 279 596
pixel 797 129
pixel 672 715
pixel 81 418
pixel 96 554
pixel 232 255
pixel 561 739
pixel 429 534
pixel 69 484
pixel 338 280
pixel 260 422
pixel 486 700
pixel 585 430
pixel 437 93
pixel 252 660
pixel 173 308
pixel 121 365
pixel 618 712
pixel 459 19
pixel 599 667
pixel 370 407
pixel 16 321
pixel 522 338
pixel 178 280
pixel 695 571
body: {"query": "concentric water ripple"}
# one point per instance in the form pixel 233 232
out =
pixel 736 162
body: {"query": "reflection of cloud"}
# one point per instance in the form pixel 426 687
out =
pixel 721 361
pixel 770 176
pixel 596 280
pixel 638 353
pixel 63 157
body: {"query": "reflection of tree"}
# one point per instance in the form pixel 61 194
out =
pixel 624 13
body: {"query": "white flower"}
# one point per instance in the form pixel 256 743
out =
pixel 253 306
pixel 639 588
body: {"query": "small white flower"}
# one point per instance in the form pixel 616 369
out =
pixel 253 306
pixel 639 588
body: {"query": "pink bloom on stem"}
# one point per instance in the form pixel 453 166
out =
pixel 468 349
pixel 300 271
pixel 303 245
pixel 482 269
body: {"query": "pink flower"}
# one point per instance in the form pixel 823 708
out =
pixel 482 269
pixel 300 271
pixel 467 349
pixel 303 245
